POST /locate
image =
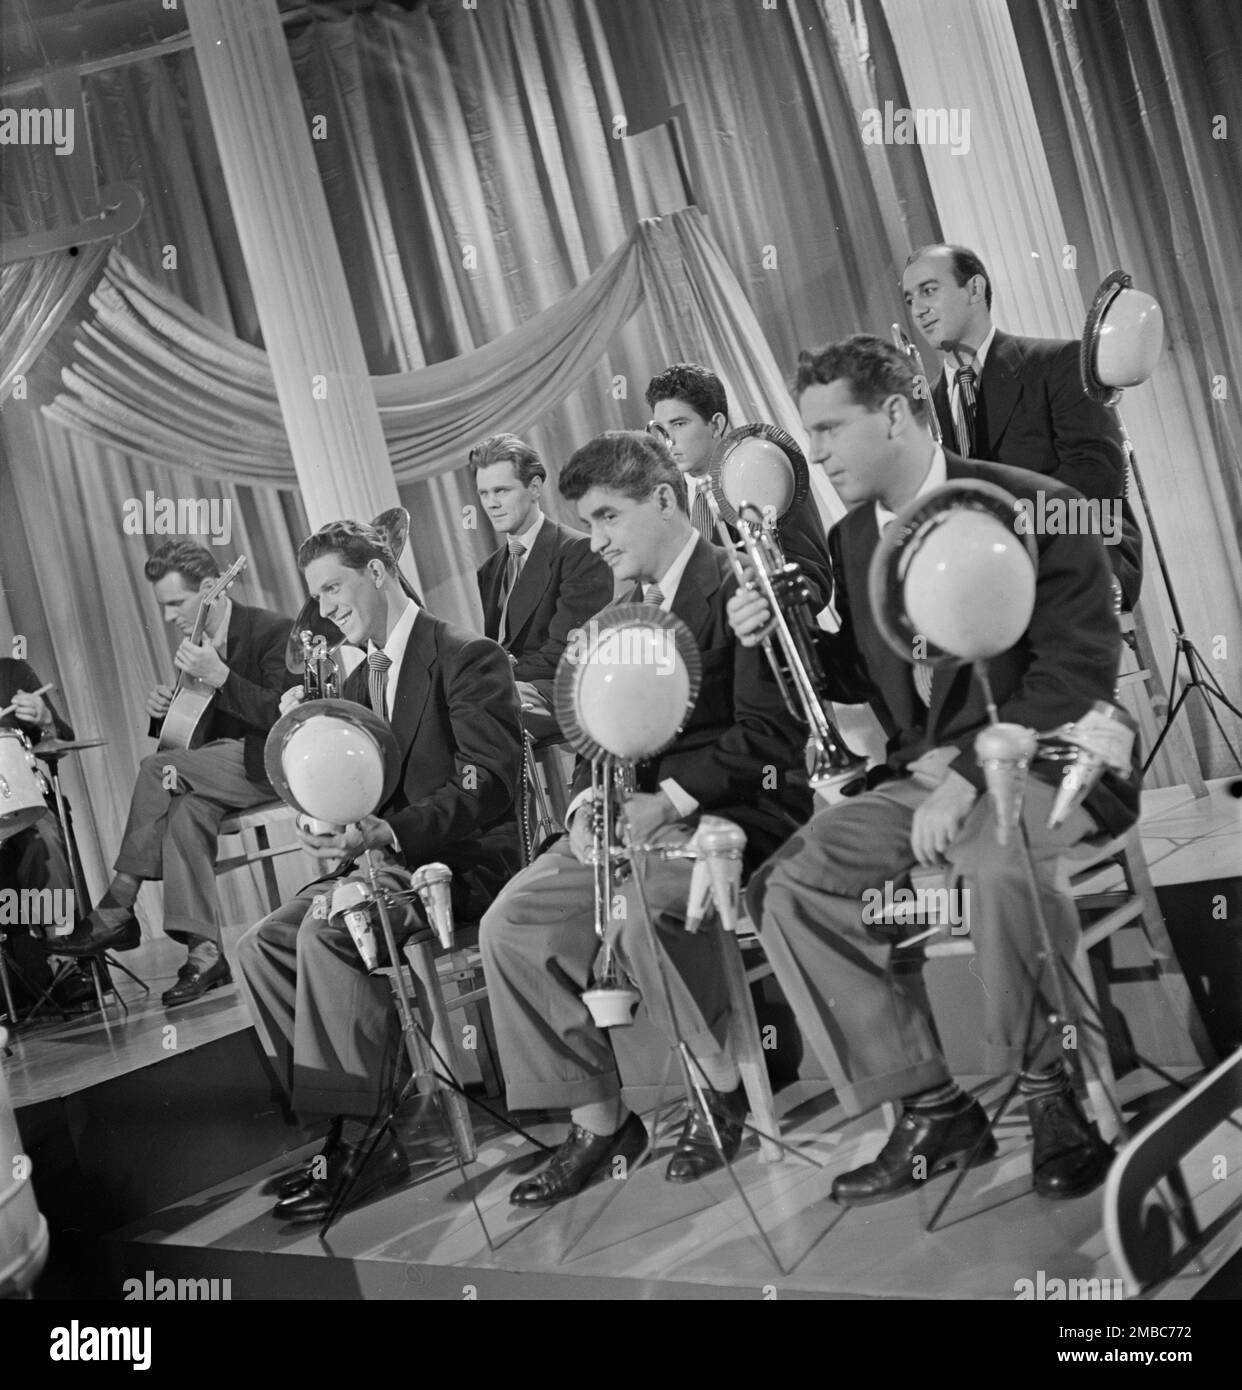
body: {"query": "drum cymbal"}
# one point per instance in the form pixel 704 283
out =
pixel 58 747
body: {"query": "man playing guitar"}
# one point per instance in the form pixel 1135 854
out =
pixel 182 794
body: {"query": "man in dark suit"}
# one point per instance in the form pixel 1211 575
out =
pixel 35 858
pixel 538 939
pixel 690 408
pixel 182 795
pixel 544 581
pixel 448 694
pixel 1020 400
pixel 842 970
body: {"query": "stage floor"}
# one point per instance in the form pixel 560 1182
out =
pixel 641 1237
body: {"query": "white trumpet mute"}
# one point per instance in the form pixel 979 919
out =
pixel 699 900
pixel 354 905
pixel 720 844
pixel 1004 752
pixel 611 1006
pixel 433 884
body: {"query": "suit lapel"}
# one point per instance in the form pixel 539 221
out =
pixel 944 412
pixel 699 581
pixel 946 677
pixel 241 624
pixel 414 682
pixel 999 389
pixel 493 577
pixel 534 578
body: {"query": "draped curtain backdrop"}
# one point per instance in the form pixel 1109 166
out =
pixel 478 167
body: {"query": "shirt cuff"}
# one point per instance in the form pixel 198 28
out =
pixel 683 803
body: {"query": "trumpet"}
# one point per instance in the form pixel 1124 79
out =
pixel 922 386
pixel 612 998
pixel 321 676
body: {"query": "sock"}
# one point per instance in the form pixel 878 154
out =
pixel 1042 1081
pixel 203 953
pixel 719 1068
pixel 935 1097
pixel 601 1117
pixel 122 892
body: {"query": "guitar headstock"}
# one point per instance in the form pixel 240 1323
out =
pixel 211 595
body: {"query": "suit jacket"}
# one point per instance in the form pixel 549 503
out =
pixel 248 703
pixel 456 721
pixel 19 675
pixel 802 539
pixel 739 729
pixel 1034 414
pixel 1066 659
pixel 562 584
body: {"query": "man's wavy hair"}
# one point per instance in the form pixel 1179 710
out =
pixel 700 389
pixel 630 462
pixel 193 563
pixel 354 541
pixel 873 368
pixel 508 448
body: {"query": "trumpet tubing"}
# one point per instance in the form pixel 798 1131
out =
pixel 321 677
pixel 904 345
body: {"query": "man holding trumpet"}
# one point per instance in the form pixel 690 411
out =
pixel 328 1026
pixel 869 429
pixel 539 938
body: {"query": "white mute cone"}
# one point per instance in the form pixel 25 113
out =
pixel 433 884
pixel 354 905
pixel 721 844
pixel 1004 752
pixel 1102 738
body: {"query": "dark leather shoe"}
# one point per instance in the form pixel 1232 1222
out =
pixel 582 1157
pixel 941 1138
pixel 387 1167
pixel 695 1155
pixel 193 983
pixel 295 1179
pixel 92 938
pixel 1069 1159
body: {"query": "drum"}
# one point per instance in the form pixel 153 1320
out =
pixel 22 788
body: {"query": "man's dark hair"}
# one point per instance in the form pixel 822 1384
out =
pixel 508 448
pixel 626 461
pixel 701 390
pixel 354 541
pixel 873 368
pixel 963 262
pixel 193 563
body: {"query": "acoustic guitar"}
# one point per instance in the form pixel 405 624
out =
pixel 184 723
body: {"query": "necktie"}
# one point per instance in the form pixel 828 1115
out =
pixel 964 410
pixel 700 513
pixel 378 664
pixel 654 595
pixel 513 567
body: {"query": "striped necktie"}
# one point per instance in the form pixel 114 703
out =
pixel 964 412
pixel 700 512
pixel 513 567
pixel 377 680
pixel 654 595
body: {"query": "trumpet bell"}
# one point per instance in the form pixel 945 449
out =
pixel 612 1006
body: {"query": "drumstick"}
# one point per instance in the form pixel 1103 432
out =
pixel 42 690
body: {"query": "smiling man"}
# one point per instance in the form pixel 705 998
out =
pixel 448 694
pixel 544 581
pixel 182 795
pixel 538 939
pixel 1020 401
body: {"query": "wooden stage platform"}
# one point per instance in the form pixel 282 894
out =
pixel 153 1135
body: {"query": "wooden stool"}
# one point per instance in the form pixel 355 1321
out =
pixel 253 826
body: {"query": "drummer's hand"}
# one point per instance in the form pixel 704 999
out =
pixel 645 813
pixel 203 662
pixel 158 701
pixel 581 841
pixel 29 708
pixel 294 696
pixel 749 616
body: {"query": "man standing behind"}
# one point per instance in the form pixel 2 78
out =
pixel 544 581
pixel 1020 401
pixel 691 407
pixel 182 795
pixel 538 938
